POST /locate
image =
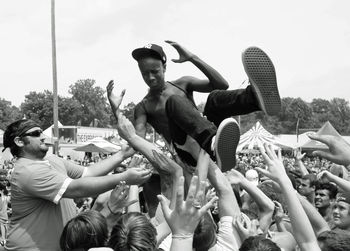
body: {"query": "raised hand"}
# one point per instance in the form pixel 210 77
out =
pixel 114 100
pixel 275 170
pixel 298 155
pixel 119 197
pixel 339 149
pixel 166 165
pixel 325 176
pixel 184 219
pixel 234 177
pixel 246 229
pixel 137 175
pixel 184 54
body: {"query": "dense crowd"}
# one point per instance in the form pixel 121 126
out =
pixel 198 195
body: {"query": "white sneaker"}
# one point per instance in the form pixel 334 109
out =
pixel 226 142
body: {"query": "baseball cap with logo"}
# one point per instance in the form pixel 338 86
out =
pixel 152 50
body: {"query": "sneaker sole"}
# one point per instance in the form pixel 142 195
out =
pixel 226 142
pixel 262 76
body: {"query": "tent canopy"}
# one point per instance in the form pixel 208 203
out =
pixel 326 129
pixel 98 144
pixel 257 136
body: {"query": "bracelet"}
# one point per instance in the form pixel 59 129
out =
pixel 111 209
pixel 182 236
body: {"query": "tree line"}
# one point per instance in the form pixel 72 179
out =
pixel 88 106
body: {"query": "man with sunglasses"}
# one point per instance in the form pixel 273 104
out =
pixel 43 187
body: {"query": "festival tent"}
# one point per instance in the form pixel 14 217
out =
pixel 98 144
pixel 257 136
pixel 326 129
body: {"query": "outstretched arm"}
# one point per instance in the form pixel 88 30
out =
pixel 215 80
pixel 265 205
pixel 302 229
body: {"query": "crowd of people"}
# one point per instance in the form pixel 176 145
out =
pixel 200 196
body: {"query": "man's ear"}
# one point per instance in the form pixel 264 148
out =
pixel 18 142
pixel 164 66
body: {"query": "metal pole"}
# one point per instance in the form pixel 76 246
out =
pixel 54 76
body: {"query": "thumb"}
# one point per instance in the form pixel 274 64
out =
pixel 123 93
pixel 322 154
pixel 165 206
pixel 132 202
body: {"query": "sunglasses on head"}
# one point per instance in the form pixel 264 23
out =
pixel 35 133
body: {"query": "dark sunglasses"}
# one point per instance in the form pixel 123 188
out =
pixel 35 133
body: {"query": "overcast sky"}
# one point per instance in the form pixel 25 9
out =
pixel 308 41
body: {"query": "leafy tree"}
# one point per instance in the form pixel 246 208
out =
pixel 8 113
pixel 38 106
pixel 92 101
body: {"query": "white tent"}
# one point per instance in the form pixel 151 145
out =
pixel 100 144
pixel 257 136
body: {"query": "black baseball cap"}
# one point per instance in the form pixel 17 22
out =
pixel 152 50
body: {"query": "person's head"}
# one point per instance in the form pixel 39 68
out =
pixel 341 213
pixel 335 240
pixel 133 231
pixel 252 176
pixel 3 177
pixel 152 64
pixel 24 138
pixel 205 234
pixel 325 194
pixel 259 243
pixel 307 185
pixel 85 231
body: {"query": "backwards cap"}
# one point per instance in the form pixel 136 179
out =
pixel 152 50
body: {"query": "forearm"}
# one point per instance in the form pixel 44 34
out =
pixel 343 184
pixel 134 195
pixel 318 223
pixel 143 146
pixel 106 166
pixel 181 244
pixel 302 229
pixel 92 186
pixel 216 79
pixel 302 167
pixel 228 205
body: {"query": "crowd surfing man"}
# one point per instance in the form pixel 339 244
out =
pixel 43 187
pixel 169 106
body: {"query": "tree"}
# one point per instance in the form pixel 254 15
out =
pixel 38 106
pixel 92 101
pixel 8 113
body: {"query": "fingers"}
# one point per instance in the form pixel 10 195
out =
pixel 169 42
pixel 192 191
pixel 323 154
pixel 110 86
pixel 263 171
pixel 208 205
pixel 165 206
pixel 180 193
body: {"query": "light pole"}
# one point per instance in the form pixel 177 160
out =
pixel 54 76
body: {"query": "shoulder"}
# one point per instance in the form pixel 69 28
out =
pixel 183 81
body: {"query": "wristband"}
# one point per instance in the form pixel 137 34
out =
pixel 182 236
pixel 109 208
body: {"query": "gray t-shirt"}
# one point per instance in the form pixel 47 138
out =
pixel 39 212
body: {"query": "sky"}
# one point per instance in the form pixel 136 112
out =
pixel 308 41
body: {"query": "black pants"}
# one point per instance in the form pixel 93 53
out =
pixel 185 119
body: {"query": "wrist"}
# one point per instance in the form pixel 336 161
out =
pixel 112 208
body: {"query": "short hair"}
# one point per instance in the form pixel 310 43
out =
pixel 85 231
pixel 205 233
pixel 133 232
pixel 312 178
pixel 335 240
pixel 259 243
pixel 332 189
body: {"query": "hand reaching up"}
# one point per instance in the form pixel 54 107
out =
pixel 114 100
pixel 119 197
pixel 339 149
pixel 184 219
pixel 184 54
pixel 275 170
